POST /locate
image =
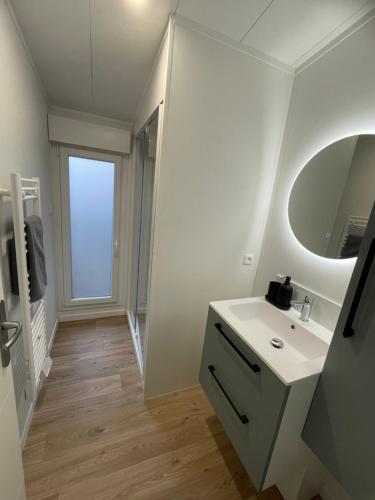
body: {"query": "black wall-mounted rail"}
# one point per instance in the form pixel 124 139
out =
pixel 254 367
pixel 241 416
pixel 348 329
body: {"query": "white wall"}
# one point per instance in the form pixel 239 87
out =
pixel 23 132
pixel 153 95
pixel 224 123
pixel 155 89
pixel 24 145
pixel 331 99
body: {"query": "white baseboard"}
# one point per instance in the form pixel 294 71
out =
pixel 52 338
pixel 93 314
pixel 26 428
pixel 31 409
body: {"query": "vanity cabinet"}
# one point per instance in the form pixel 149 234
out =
pixel 247 397
pixel 261 394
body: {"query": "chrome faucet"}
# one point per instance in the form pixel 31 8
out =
pixel 306 308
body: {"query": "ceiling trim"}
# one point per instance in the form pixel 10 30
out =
pixel 229 42
pixel 364 19
pixel 27 50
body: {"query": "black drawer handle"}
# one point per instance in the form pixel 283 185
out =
pixel 243 418
pixel 253 366
pixel 349 330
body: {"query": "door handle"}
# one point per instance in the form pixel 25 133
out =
pixel 243 418
pixel 255 368
pixel 5 342
pixel 348 329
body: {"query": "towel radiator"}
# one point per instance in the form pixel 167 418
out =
pixel 25 194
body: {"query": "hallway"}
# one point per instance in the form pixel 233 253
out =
pixel 93 437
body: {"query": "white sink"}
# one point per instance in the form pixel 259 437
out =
pixel 304 344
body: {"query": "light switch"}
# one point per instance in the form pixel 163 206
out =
pixel 247 259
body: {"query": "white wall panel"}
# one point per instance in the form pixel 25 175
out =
pixel 224 125
pixel 24 149
pixel 155 90
pixel 58 36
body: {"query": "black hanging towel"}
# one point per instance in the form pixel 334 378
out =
pixel 36 262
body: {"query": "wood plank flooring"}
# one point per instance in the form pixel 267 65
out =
pixel 94 438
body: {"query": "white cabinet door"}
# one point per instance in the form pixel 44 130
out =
pixel 12 485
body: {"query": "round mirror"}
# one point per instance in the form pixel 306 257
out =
pixel 332 198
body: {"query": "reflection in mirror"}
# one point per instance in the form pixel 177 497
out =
pixel 332 198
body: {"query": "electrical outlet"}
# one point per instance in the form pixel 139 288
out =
pixel 247 259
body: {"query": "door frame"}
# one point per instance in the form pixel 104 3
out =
pixel 159 111
pixel 11 469
pixel 65 152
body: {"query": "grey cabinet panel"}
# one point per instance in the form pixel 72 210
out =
pixel 237 393
pixel 340 427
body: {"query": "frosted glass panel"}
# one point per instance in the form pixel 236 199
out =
pixel 91 196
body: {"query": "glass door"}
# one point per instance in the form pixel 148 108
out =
pixel 136 236
pixel 142 229
pixel 90 196
pixel 148 178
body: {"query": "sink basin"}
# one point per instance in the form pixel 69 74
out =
pixel 299 343
pixel 304 344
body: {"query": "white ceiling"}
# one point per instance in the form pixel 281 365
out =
pixel 102 72
pixel 96 55
pixel 287 30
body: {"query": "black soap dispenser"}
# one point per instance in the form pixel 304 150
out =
pixel 284 294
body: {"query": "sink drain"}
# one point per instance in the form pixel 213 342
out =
pixel 277 343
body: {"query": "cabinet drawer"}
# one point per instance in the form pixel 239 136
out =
pixel 248 398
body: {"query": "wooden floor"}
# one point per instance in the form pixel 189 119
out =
pixel 92 436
